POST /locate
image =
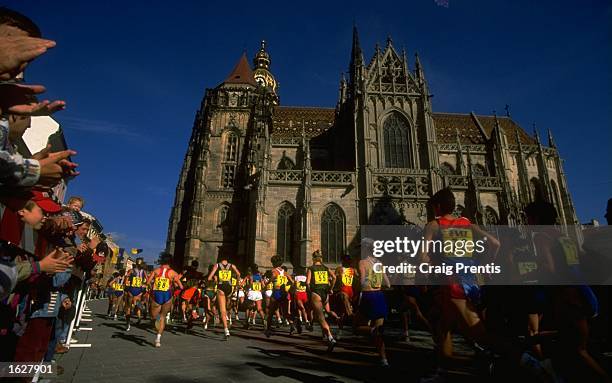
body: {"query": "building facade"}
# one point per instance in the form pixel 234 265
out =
pixel 261 179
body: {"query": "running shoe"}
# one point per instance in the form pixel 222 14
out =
pixel 331 343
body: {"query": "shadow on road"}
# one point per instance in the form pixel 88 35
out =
pixel 289 373
pixel 139 340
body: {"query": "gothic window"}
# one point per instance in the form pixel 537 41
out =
pixel 285 164
pixel 229 172
pixel 395 131
pixel 479 170
pixel 491 217
pixel 447 169
pixel 230 159
pixel 231 147
pixel 284 231
pixel 332 234
pixel 536 189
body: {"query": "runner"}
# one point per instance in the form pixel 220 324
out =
pixel 372 302
pixel 162 280
pixel 346 275
pixel 254 284
pixel 116 287
pixel 268 292
pixel 320 281
pixel 136 276
pixel 454 301
pixel 222 271
pixel 278 299
pixel 574 305
pixel 190 280
pixel 209 300
pixel 301 299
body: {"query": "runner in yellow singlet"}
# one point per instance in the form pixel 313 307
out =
pixel 162 281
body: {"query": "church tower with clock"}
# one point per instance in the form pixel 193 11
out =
pixel 261 179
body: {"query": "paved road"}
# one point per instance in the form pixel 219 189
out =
pixel 204 356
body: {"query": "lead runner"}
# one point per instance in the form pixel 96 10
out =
pixel 163 279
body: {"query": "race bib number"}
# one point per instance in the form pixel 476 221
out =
pixel 234 281
pixel 117 286
pixel 281 280
pixel 570 251
pixel 301 286
pixel 454 242
pixel 347 279
pixel 321 277
pixel 225 275
pixel 136 282
pixel 527 267
pixel 162 284
pixel 256 286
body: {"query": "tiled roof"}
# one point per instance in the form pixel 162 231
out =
pixel 242 73
pixel 447 125
pixel 288 121
pixel 509 127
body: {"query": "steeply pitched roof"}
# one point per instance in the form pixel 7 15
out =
pixel 242 73
pixel 288 121
pixel 447 125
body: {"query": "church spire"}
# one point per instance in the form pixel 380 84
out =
pixel 262 58
pixel 356 57
pixel 551 141
pixel 242 73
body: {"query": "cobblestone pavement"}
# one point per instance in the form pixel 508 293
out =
pixel 248 356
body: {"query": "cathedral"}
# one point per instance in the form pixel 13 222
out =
pixel 261 179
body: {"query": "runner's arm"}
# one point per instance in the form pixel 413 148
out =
pixel 236 270
pixel 333 279
pixel 212 272
pixel 178 281
pixel 150 278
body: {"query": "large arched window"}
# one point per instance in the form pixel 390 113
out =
pixel 395 137
pixel 332 234
pixel 284 231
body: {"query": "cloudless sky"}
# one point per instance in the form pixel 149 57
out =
pixel 133 74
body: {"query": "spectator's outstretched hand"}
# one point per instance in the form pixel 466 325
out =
pixel 20 99
pixel 17 51
pixel 54 167
pixel 56 262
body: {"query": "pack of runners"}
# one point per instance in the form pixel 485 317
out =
pixel 359 294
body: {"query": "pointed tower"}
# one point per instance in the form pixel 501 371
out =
pixel 262 73
pixel 205 219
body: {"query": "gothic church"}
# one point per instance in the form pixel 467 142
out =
pixel 261 179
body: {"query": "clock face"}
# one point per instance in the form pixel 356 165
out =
pixel 265 78
pixel 260 80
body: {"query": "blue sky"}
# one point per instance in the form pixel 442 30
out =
pixel 133 74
